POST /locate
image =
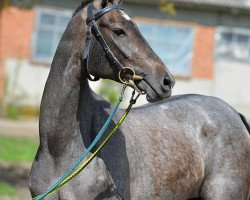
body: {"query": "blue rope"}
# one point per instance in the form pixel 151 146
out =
pixel 73 167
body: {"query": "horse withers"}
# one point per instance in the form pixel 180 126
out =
pixel 182 147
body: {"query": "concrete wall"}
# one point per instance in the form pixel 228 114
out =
pixel 232 83
pixel 24 82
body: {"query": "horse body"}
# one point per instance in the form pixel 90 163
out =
pixel 188 146
pixel 175 149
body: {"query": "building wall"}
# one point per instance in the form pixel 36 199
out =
pixel 18 27
pixel 1 59
pixel 16 36
pixel 224 79
pixel 227 80
pixel 202 66
pixel 203 47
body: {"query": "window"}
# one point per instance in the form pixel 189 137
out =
pixel 50 25
pixel 233 44
pixel 173 44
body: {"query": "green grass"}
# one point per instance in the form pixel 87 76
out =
pixel 7 190
pixel 17 150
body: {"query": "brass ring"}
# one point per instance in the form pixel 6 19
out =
pixel 126 71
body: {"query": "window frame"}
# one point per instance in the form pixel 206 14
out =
pixel 235 31
pixel 39 11
pixel 166 22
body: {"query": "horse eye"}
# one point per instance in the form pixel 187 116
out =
pixel 119 32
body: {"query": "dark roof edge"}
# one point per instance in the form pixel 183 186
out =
pixel 194 5
pixel 213 7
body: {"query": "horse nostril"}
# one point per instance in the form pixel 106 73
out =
pixel 167 81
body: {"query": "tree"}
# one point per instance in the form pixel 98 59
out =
pixel 167 6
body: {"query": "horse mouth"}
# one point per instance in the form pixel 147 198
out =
pixel 152 93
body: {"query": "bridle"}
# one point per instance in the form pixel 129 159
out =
pixel 126 74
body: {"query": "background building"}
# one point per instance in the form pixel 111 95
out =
pixel 205 44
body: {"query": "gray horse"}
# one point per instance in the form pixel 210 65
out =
pixel 182 147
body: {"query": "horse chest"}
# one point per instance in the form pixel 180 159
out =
pixel 92 183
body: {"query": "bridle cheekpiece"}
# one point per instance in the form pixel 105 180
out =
pixel 93 29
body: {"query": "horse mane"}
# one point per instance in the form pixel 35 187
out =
pixel 86 2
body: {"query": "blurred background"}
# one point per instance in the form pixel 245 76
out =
pixel 204 43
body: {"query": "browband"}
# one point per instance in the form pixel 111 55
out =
pixel 102 12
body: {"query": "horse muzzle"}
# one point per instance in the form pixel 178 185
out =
pixel 156 91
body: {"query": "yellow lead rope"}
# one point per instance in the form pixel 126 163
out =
pixel 85 164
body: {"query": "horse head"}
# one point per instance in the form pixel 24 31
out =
pixel 130 49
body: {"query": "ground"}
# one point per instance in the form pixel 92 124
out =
pixel 18 144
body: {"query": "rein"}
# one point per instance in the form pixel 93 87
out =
pixel 72 171
pixel 111 134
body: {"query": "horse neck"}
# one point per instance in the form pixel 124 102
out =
pixel 66 101
pixel 68 104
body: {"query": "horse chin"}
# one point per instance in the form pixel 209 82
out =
pixel 151 95
pixel 152 98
